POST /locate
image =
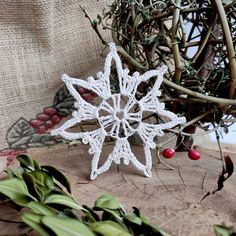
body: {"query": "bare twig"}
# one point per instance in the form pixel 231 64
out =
pixel 220 149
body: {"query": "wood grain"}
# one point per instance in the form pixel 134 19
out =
pixel 170 199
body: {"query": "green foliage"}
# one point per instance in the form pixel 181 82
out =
pixel 107 201
pixel 64 200
pixel 45 193
pixel 34 221
pixel 16 190
pixel 58 176
pixel 221 230
pixel 50 210
pixel 65 226
pixel 109 228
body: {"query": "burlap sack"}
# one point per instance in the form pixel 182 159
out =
pixel 39 41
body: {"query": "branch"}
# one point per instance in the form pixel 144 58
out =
pixel 229 46
pixel 140 67
pixel 199 95
pixel 94 25
pixel 175 46
pixel 206 39
pixel 196 119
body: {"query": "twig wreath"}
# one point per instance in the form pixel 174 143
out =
pixel 116 120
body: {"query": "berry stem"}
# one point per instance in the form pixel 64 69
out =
pixel 158 146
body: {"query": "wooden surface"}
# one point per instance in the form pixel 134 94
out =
pixel 170 198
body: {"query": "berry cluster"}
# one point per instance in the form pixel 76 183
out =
pixel 46 120
pixel 193 154
pixel 51 116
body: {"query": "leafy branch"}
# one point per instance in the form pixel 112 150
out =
pixel 43 196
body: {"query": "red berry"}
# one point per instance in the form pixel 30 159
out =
pixel 41 129
pixel 50 111
pixel 43 117
pixel 88 97
pixel 55 119
pixel 49 124
pixel 36 123
pixel 193 154
pixel 168 152
pixel 93 94
pixel 83 90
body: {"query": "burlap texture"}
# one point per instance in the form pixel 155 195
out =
pixel 39 41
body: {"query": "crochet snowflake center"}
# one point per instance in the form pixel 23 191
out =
pixel 118 121
pixel 115 119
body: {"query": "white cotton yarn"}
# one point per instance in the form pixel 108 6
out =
pixel 117 118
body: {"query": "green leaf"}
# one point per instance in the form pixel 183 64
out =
pixel 65 201
pixel 34 221
pixel 16 190
pixel 25 161
pixel 108 201
pixel 61 95
pixel 58 176
pixel 19 171
pixel 41 209
pixel 36 165
pixel 39 183
pixel 144 219
pixel 64 101
pixel 133 219
pixel 64 226
pixel 43 178
pixel 146 223
pixel 221 230
pixel 19 135
pixel 113 213
pixel 109 228
pixel 31 185
pixel 11 173
pixel 91 216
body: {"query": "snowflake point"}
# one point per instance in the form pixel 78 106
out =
pixel 112 47
pixel 64 78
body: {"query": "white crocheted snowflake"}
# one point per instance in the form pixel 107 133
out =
pixel 118 120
